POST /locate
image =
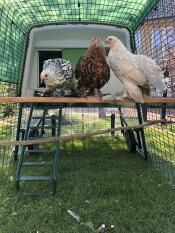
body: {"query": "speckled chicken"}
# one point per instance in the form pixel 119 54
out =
pixel 57 75
pixel 92 71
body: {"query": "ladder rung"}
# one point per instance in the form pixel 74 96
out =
pixel 38 164
pixel 35 178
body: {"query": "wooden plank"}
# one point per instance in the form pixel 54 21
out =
pixel 159 100
pixel 58 100
pixel 90 100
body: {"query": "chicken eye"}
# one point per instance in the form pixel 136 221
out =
pixel 46 75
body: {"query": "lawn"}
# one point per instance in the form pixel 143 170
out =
pixel 101 182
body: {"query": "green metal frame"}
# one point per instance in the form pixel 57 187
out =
pixel 56 153
pixel 141 146
pixel 22 150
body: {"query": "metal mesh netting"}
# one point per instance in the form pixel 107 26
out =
pixel 156 38
pixel 19 16
pixel 161 143
pixel 160 138
pixel 74 121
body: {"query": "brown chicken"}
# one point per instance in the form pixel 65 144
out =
pixel 92 71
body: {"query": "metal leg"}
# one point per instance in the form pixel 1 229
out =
pixel 53 124
pixel 57 153
pixel 163 112
pixel 140 119
pixel 21 157
pixel 112 123
pixel 145 112
pixel 122 120
pixel 43 121
pixel 15 152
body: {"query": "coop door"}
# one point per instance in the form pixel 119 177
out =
pixel 43 56
pixel 73 54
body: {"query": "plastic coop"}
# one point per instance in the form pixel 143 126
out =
pixel 34 31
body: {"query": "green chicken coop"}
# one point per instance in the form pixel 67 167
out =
pixel 34 31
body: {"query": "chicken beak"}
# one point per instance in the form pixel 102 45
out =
pixel 43 78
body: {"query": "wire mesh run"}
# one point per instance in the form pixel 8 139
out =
pixel 161 143
pixel 156 39
pixel 19 16
pixel 160 138
pixel 74 121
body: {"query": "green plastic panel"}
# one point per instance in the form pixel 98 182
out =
pixel 73 54
pixel 17 17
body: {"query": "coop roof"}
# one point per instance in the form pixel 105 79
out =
pixel 19 16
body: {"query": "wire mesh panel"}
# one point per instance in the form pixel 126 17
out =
pixel 156 39
pixel 83 120
pixel 161 143
pixel 8 121
pixel 159 138
pixel 74 121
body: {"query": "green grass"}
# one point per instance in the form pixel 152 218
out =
pixel 122 189
pixel 5 132
pixel 171 127
pixel 83 124
pixel 161 143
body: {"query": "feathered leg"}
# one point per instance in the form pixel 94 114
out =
pixel 133 91
pixel 82 92
pixel 91 92
pixel 97 92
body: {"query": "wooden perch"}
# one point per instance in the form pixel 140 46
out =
pixel 77 136
pixel 73 100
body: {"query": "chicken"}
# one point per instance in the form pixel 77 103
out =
pixel 136 72
pixel 92 71
pixel 57 75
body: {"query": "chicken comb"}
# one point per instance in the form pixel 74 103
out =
pixel 97 40
pixel 93 40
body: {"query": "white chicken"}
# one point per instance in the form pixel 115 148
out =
pixel 136 72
